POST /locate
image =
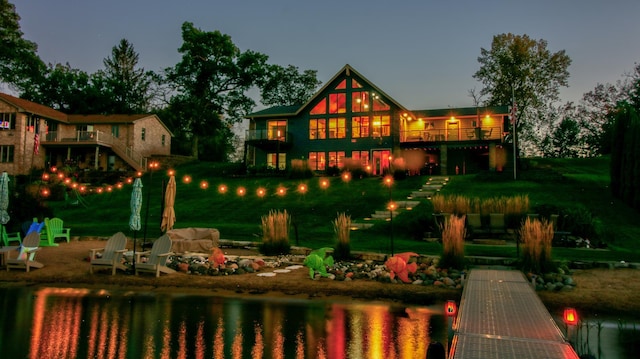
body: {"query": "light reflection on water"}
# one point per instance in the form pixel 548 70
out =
pixel 79 323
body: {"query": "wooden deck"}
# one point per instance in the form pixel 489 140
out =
pixel 501 316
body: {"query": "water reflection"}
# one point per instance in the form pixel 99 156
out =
pixel 79 323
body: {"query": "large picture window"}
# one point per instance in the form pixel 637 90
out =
pixel 317 161
pixel 361 157
pixel 336 159
pixel 317 129
pixel 278 160
pixel 337 127
pixel 277 130
pixel 320 108
pixel 381 126
pixel 359 101
pixel 360 126
pixel 337 103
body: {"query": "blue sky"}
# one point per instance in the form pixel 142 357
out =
pixel 421 53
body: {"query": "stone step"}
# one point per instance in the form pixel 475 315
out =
pixel 358 225
pixel 422 194
pixel 407 204
pixel 431 187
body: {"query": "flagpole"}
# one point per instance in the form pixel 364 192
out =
pixel 514 122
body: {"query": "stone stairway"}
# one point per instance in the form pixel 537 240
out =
pixel 431 187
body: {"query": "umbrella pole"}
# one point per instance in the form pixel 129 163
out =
pixel 134 252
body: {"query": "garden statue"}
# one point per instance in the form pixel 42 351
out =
pixel 217 258
pixel 317 261
pixel 398 266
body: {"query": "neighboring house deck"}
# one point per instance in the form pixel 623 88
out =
pixel 37 136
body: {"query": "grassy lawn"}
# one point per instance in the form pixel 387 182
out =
pixel 583 183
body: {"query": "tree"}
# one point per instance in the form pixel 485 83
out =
pixel 129 86
pixel 210 84
pixel 518 68
pixel 20 66
pixel 286 86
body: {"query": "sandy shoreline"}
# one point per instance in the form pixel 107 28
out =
pixel 598 291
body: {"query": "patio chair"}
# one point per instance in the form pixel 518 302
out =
pixel 156 258
pixel 497 224
pixel 474 225
pixel 111 254
pixel 26 258
pixel 54 229
pixel 10 237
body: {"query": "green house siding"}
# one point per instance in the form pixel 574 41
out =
pixel 447 141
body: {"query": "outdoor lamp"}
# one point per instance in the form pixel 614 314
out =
pixel 450 308
pixel 570 316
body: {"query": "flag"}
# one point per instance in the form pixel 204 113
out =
pixel 36 144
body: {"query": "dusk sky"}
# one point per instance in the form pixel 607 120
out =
pixel 423 53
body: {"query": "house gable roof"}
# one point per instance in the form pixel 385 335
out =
pixel 34 108
pixel 288 111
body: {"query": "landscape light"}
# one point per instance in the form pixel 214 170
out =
pixel 346 176
pixel 302 188
pixel 241 191
pixel 186 179
pixel 222 189
pixel 324 183
pixel 450 308
pixel 282 191
pixel 261 192
pixel 570 316
pixel 204 184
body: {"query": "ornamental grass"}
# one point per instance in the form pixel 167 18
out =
pixel 453 234
pixel 342 230
pixel 536 236
pixel 275 233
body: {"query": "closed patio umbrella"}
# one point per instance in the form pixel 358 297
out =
pixel 134 220
pixel 4 198
pixel 169 214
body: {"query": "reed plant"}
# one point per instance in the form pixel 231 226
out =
pixel 275 233
pixel 453 234
pixel 536 236
pixel 342 230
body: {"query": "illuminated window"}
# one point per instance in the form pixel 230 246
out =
pixel 361 156
pixel 317 129
pixel 337 127
pixel 379 104
pixel 317 161
pixel 355 84
pixel 359 101
pixel 381 126
pixel 360 126
pixel 342 85
pixel 337 103
pixel 6 154
pixel 320 108
pixel 7 120
pixel 336 159
pixel 277 130
pixel 282 160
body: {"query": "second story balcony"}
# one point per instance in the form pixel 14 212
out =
pixel 452 135
pixel 268 139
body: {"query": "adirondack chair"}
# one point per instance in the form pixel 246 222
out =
pixel 474 225
pixel 26 258
pixel 156 258
pixel 497 224
pixel 111 254
pixel 53 229
pixel 10 237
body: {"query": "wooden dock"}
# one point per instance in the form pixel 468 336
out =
pixel 501 316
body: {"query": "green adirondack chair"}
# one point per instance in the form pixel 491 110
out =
pixel 9 237
pixel 53 229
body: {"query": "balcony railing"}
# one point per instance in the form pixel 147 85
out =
pixel 257 135
pixel 100 138
pixel 448 135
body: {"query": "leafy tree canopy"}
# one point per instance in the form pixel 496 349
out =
pixel 286 86
pixel 19 63
pixel 211 82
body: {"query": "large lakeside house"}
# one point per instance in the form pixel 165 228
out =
pixel 34 136
pixel 352 120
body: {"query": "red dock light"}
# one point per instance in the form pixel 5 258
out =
pixel 450 308
pixel 570 316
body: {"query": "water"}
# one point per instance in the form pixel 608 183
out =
pixel 82 323
pixel 604 338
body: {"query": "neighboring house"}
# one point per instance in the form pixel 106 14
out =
pixel 37 136
pixel 351 120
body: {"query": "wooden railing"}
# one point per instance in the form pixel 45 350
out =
pixel 104 139
pixel 448 135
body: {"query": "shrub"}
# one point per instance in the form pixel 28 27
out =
pixel 275 233
pixel 536 236
pixel 300 169
pixel 342 230
pixel 453 234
